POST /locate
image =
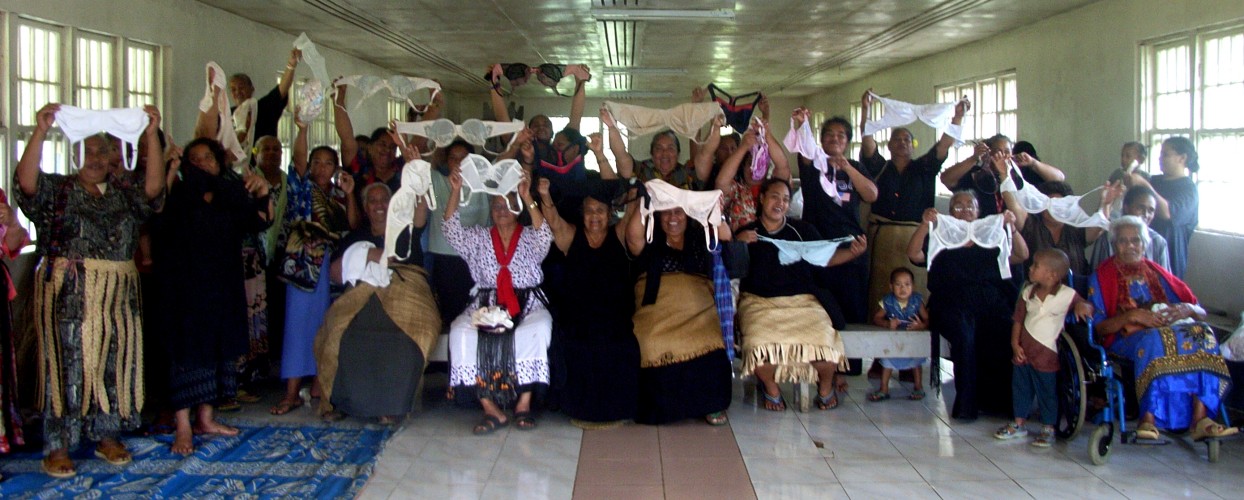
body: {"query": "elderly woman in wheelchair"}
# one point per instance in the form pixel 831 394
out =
pixel 1151 318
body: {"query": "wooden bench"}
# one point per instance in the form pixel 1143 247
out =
pixel 860 341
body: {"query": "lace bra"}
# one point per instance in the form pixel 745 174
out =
pixel 399 87
pixel 701 206
pixel 989 232
pixel 126 124
pixel 482 176
pixel 442 131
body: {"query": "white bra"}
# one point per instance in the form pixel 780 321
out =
pixel 482 176
pixel 816 253
pixel 702 206
pixel 684 119
pixel 443 131
pixel 899 113
pixel 1065 210
pixel 311 97
pixel 355 267
pixel 126 124
pixel 227 135
pixel 399 87
pixel 989 232
pixel 416 184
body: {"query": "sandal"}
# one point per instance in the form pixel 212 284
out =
pixel 229 405
pixel 876 396
pixel 489 425
pixel 286 405
pixel 773 403
pixel 333 416
pixel 827 402
pixel 115 454
pixel 916 395
pixel 716 419
pixel 524 421
pixel 1147 431
pixel 59 467
pixel 1207 428
pixel 247 397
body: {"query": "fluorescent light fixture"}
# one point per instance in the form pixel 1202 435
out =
pixel 636 94
pixel 645 71
pixel 628 14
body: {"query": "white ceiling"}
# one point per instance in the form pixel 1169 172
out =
pixel 782 47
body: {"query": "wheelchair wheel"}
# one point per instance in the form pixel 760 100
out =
pixel 1212 448
pixel 1099 444
pixel 1072 399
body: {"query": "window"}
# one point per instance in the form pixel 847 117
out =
pixel 397 110
pixel 857 140
pixel 995 110
pixel 590 125
pixel 1193 85
pixel 52 63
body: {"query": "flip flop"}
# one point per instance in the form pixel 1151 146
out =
pixel 1147 431
pixel 827 402
pixel 59 468
pixel 716 419
pixel 488 425
pixel 876 396
pixel 773 403
pixel 524 421
pixel 916 395
pixel 114 454
pixel 1207 428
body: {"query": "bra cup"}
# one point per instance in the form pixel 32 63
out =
pixel 474 167
pixel 474 131
pixel 509 173
pixel 441 132
pixel 417 177
pixel 401 214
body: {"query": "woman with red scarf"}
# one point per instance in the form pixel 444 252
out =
pixel 501 365
pixel 1147 315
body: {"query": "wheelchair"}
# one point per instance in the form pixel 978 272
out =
pixel 1087 372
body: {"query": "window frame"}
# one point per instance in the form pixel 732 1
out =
pixel 1007 83
pixel 1152 132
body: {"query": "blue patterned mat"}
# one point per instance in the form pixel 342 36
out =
pixel 267 460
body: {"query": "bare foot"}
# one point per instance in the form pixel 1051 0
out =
pixel 183 442
pixel 213 427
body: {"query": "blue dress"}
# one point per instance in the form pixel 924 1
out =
pixel 1173 363
pixel 904 315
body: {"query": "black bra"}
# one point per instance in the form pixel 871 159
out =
pixel 738 116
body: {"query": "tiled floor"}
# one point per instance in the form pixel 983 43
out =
pixel 893 449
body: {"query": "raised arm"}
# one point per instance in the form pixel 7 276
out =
pixel 596 144
pixel 951 176
pixel 533 209
pixel 1046 171
pixel 631 212
pixel 636 237
pixel 563 232
pixel 730 167
pixel 208 122
pixel 455 193
pixel 28 166
pixel 300 147
pixel 354 217
pixel 578 102
pixel 777 154
pixel 997 161
pixel 946 141
pixel 287 78
pixel 915 246
pixel 345 129
pixel 1109 193
pixel 153 185
pixel 868 145
pixel 626 164
pixel 703 159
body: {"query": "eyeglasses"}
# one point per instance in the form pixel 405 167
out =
pixel 963 209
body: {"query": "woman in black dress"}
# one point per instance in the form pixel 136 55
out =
pixel 197 249
pixel 600 350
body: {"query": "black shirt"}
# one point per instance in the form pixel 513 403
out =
pixel 829 219
pixel 904 196
pixel 403 244
pixel 268 113
pixel 766 276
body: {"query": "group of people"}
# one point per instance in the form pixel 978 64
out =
pixel 548 294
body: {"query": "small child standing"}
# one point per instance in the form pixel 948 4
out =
pixel 901 309
pixel 1039 317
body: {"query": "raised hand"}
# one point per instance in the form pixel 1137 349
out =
pixel 596 143
pixel 929 215
pixel 256 185
pixel 698 94
pixel 542 186
pixel 294 56
pixel 346 183
pixel 455 180
pixel 153 114
pixel 46 116
pixel 607 118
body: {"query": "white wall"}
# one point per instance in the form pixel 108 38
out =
pixel 1078 92
pixel 192 34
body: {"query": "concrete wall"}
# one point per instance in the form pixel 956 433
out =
pixel 1078 93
